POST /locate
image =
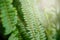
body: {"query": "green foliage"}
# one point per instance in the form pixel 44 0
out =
pixel 23 20
pixel 15 36
pixel 33 22
pixel 8 15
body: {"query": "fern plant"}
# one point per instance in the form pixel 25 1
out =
pixel 28 20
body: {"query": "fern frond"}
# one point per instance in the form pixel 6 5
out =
pixel 31 16
pixel 15 36
pixel 22 30
pixel 9 15
pixel 49 10
pixel 51 33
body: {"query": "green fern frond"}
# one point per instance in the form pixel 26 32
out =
pixel 9 15
pixel 31 16
pixel 51 33
pixel 50 17
pixel 15 36
pixel 17 5
pixel 22 30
